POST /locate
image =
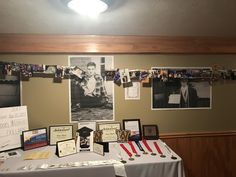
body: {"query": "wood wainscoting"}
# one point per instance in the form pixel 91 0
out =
pixel 205 154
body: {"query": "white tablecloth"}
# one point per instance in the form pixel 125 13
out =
pixel 144 166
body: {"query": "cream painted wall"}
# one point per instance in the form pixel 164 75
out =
pixel 48 102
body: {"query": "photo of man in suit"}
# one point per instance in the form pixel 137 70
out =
pixel 188 95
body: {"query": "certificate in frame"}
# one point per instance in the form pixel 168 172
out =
pixel 109 130
pixel 150 132
pixel 65 148
pixel 135 128
pixel 34 138
pixel 60 133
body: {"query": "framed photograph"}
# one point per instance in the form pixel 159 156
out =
pixel 60 133
pixel 84 139
pixel 109 130
pixel 91 93
pixel 65 148
pixel 181 88
pixel 34 138
pixel 135 128
pixel 150 132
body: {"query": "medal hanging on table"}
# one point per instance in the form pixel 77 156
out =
pixel 148 147
pixel 127 152
pixel 168 149
pixel 159 150
pixel 140 147
pixel 133 149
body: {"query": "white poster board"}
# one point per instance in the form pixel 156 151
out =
pixel 13 120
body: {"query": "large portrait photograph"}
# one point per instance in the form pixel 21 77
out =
pixel 181 88
pixel 91 94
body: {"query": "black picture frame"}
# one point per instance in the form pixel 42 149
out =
pixel 34 138
pixel 66 148
pixel 54 142
pixel 135 127
pixel 150 132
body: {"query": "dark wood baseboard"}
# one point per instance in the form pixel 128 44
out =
pixel 206 154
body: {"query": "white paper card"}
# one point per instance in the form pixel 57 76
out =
pixel 98 148
pixel 174 99
pixel 133 93
pixel 13 120
pixel 91 125
pixel 120 169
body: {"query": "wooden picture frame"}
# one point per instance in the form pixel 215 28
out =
pixel 60 133
pixel 34 138
pixel 150 132
pixel 135 129
pixel 109 130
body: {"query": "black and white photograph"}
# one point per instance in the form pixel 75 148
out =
pixel 10 91
pixel 125 78
pixel 182 89
pixel 91 95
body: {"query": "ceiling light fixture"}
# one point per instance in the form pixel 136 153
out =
pixel 88 7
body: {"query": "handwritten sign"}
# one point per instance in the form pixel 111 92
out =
pixel 13 120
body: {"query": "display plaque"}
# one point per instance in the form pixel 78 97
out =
pixel 60 133
pixel 109 131
pixel 34 138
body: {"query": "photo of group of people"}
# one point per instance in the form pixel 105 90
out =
pixel 180 92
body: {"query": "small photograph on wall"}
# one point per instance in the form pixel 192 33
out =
pixel 181 88
pixel 91 94
pixel 10 91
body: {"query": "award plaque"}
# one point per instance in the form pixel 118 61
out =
pixel 123 136
pixel 60 133
pixel 109 131
pixel 34 138
pixel 65 148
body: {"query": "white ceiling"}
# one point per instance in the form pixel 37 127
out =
pixel 124 17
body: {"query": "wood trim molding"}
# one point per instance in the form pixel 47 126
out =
pixel 197 134
pixel 80 44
